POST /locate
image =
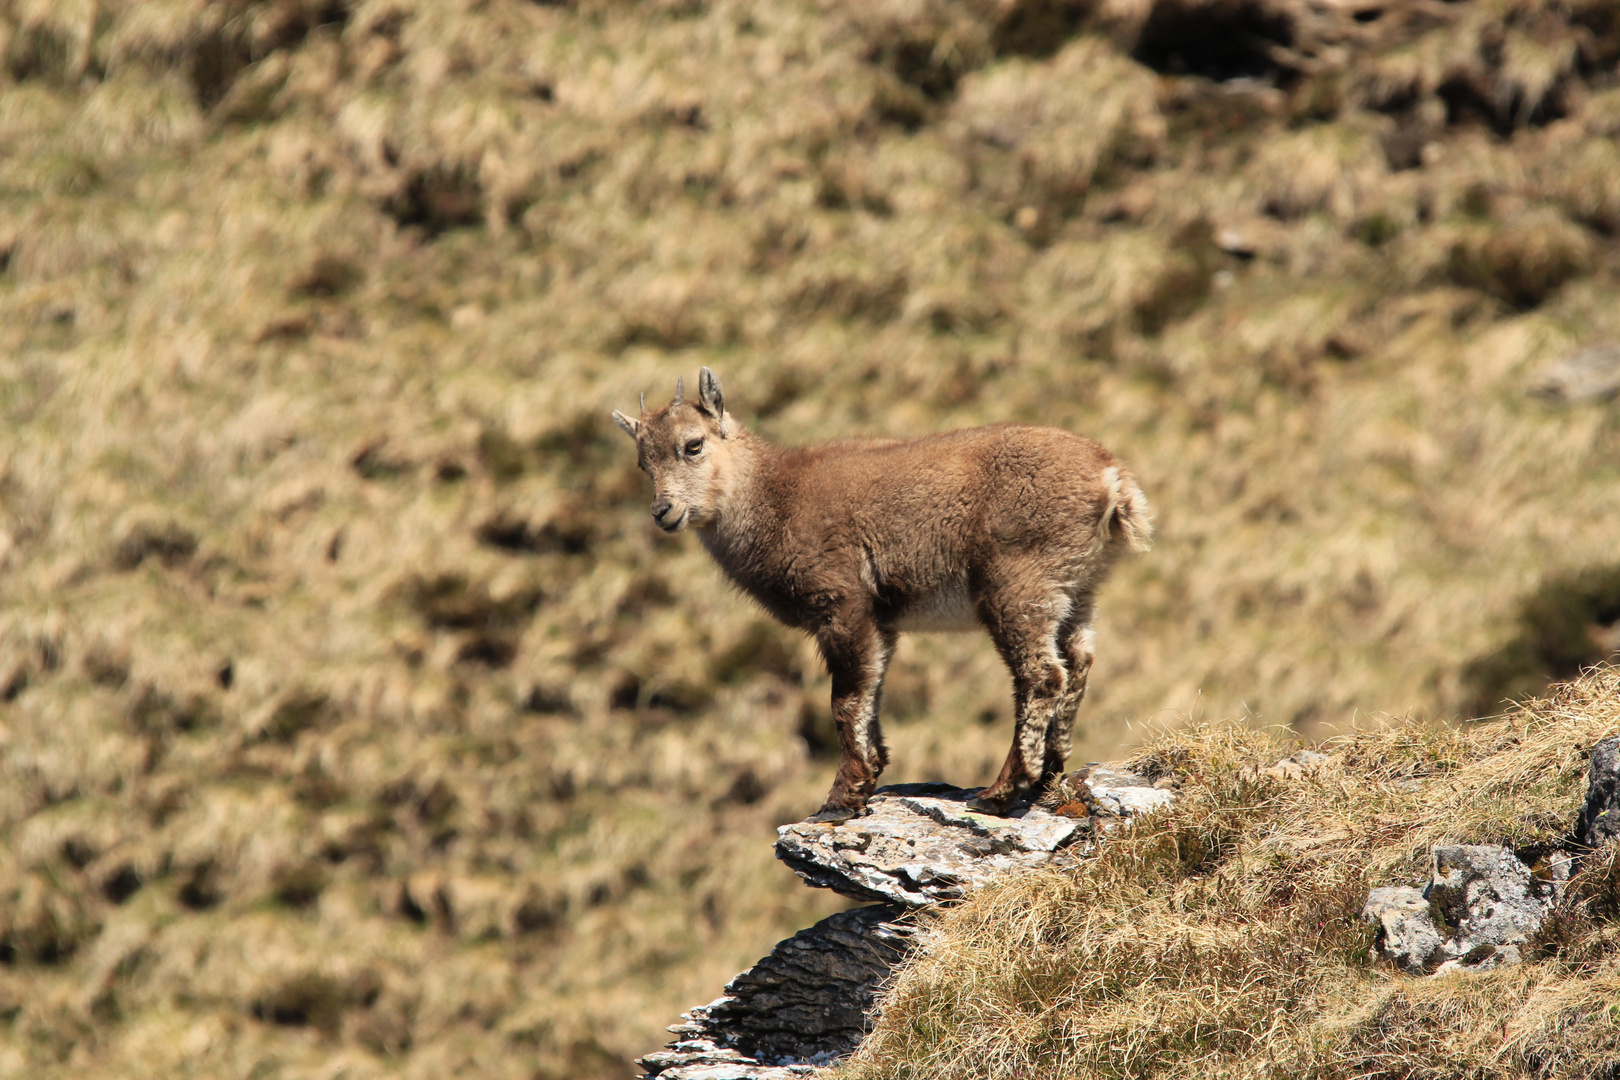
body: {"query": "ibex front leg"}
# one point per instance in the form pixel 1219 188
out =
pixel 857 654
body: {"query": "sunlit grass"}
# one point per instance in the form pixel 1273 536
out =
pixel 1224 936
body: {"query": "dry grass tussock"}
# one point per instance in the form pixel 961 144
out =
pixel 1222 938
pixel 350 709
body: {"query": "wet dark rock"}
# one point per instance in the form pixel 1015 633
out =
pixel 1599 820
pixel 806 1004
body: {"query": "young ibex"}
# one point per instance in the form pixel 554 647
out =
pixel 1010 527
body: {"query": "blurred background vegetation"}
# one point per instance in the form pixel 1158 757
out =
pixel 355 720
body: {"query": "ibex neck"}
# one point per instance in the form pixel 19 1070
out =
pixel 745 506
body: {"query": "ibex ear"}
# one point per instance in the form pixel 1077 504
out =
pixel 631 427
pixel 713 402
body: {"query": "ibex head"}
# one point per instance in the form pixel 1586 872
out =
pixel 685 448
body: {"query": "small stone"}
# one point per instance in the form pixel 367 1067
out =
pixel 1298 765
pixel 1129 802
pixel 1483 958
pixel 1407 933
pixel 1235 242
pixel 1590 374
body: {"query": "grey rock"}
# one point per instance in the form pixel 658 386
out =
pixel 1481 905
pixel 806 1004
pixel 1482 958
pixel 1599 820
pixel 1589 374
pixel 699 1066
pixel 1114 796
pixel 810 1001
pixel 1407 933
pixel 920 844
pixel 1492 900
pixel 703 1059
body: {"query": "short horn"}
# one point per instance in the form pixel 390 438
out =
pixel 680 389
pixel 644 404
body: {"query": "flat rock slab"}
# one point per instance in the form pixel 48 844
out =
pixel 919 844
pixel 705 1059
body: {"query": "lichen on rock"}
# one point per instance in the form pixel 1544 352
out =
pixel 1482 904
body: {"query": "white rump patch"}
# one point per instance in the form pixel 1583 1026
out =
pixel 946 610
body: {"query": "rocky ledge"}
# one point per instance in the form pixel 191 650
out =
pixel 810 1001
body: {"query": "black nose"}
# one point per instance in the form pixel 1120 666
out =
pixel 660 508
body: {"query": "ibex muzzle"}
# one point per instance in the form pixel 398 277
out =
pixel 667 516
pixel 1008 527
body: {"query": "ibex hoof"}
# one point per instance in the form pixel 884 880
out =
pixel 834 815
pixel 984 805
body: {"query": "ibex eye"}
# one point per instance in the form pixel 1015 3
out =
pixel 693 447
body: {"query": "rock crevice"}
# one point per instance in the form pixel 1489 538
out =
pixel 802 1006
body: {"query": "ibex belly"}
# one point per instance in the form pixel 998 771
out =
pixel 946 609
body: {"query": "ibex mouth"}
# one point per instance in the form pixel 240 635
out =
pixel 678 524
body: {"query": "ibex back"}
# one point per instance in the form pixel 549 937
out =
pixel 1008 527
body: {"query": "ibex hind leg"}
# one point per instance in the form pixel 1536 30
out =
pixel 858 658
pixel 1075 645
pixel 1025 629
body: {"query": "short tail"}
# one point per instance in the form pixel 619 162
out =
pixel 1127 515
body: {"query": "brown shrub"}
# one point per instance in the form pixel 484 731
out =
pixel 1524 261
pixel 1040 134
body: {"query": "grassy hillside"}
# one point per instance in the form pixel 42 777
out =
pixel 1224 938
pixel 355 718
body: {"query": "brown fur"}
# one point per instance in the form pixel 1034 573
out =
pixel 1010 527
